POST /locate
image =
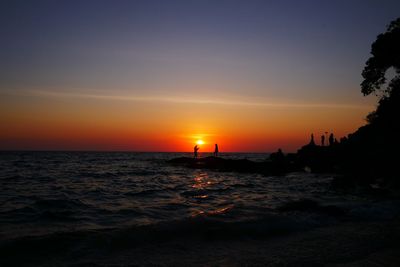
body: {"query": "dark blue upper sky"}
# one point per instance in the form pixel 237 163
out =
pixel 273 49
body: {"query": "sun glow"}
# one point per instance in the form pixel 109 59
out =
pixel 200 142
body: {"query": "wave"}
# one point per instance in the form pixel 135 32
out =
pixel 59 204
pixel 147 192
pixel 195 228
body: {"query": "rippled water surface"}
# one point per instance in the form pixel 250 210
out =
pixel 48 192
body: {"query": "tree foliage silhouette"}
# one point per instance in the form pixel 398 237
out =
pixel 385 55
pixel 370 152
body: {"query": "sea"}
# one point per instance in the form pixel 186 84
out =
pixel 134 197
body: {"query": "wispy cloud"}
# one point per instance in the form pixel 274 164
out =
pixel 190 100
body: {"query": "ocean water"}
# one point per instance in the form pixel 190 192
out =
pixel 52 192
pixel 139 196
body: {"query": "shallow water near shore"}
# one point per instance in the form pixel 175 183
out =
pixel 62 197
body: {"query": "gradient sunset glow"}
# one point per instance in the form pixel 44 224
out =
pixel 252 76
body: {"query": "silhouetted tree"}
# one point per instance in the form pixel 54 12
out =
pixel 385 55
pixel 371 151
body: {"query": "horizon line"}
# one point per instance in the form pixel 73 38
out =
pixel 118 151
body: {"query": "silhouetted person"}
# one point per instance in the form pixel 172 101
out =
pixel 312 143
pixel 196 148
pixel 277 156
pixel 278 160
pixel 322 140
pixel 216 150
pixel 331 139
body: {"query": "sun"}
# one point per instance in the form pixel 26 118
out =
pixel 200 142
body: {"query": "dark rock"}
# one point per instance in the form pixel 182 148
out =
pixel 235 165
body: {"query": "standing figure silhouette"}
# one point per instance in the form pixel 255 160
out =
pixel 196 148
pixel 216 150
pixel 312 143
pixel 322 140
pixel 331 139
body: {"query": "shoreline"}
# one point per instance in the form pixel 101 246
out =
pixel 343 244
pixel 298 234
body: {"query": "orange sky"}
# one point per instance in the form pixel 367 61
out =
pixel 143 76
pixel 252 76
pixel 76 122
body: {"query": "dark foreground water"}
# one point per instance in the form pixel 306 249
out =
pixel 139 195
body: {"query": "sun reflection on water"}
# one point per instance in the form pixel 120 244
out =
pixel 202 182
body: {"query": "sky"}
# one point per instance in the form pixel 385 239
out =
pixel 252 76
